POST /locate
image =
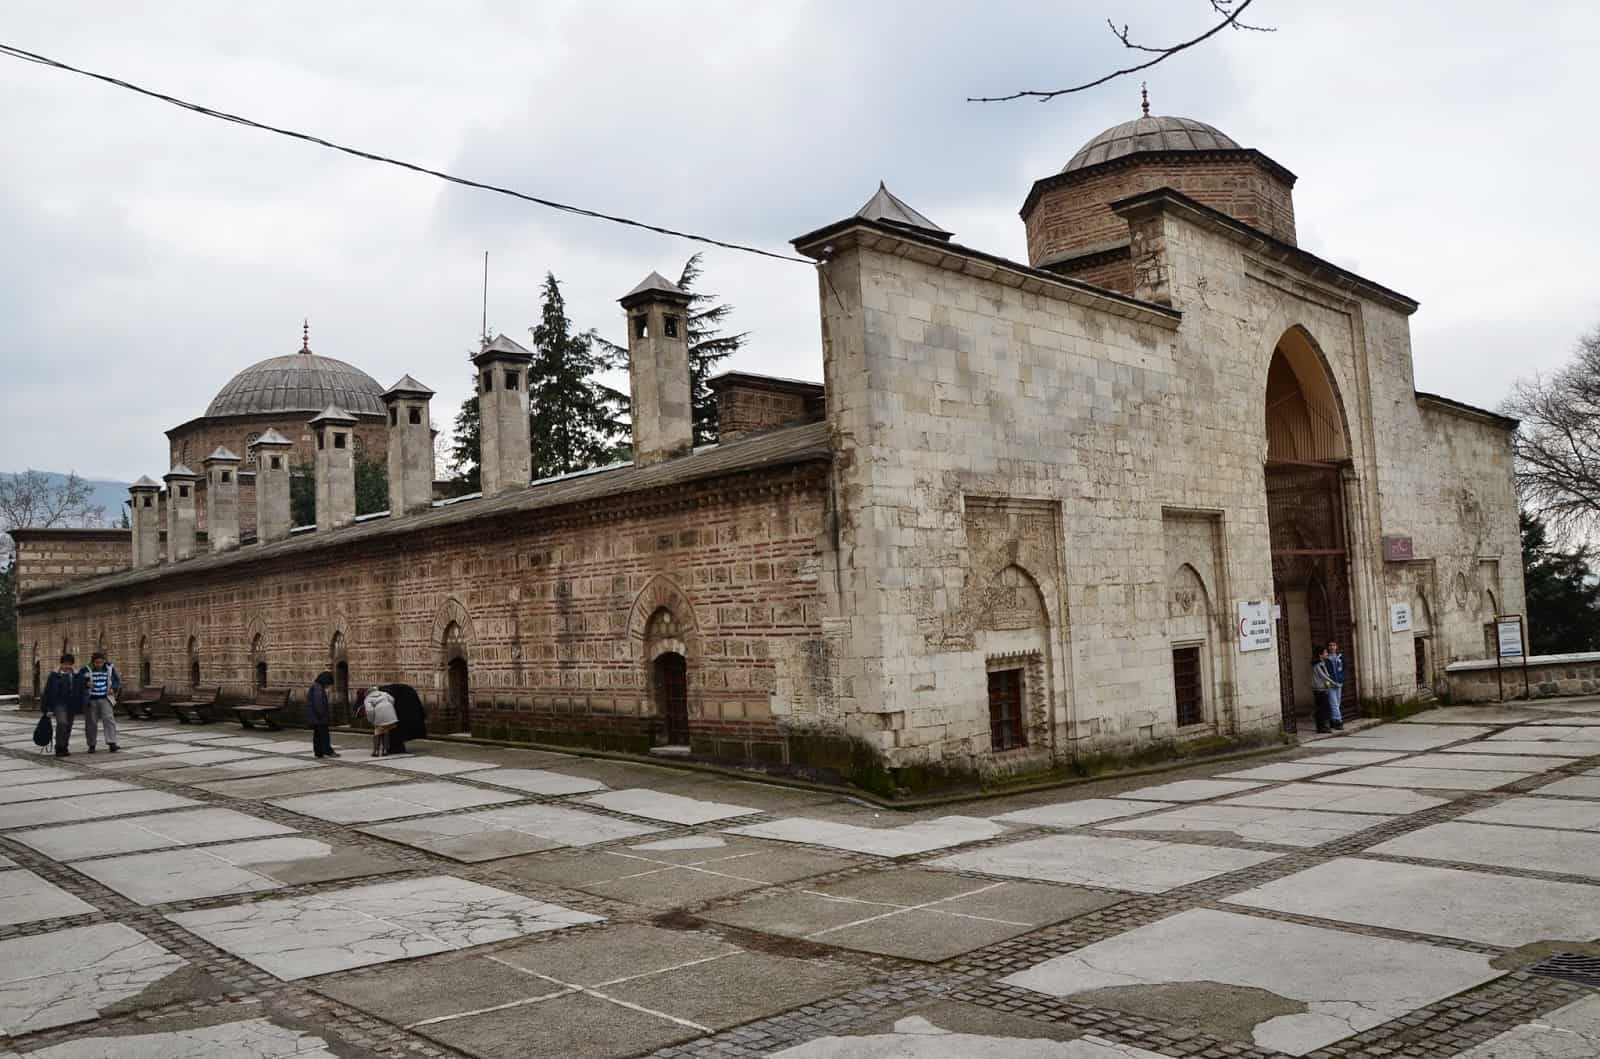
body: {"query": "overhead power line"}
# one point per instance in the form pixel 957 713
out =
pixel 222 115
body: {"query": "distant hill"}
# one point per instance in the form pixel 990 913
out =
pixel 107 494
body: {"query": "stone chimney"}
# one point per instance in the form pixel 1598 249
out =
pixel 410 447
pixel 334 429
pixel 271 452
pixel 144 516
pixel 658 370
pixel 222 499
pixel 180 513
pixel 503 455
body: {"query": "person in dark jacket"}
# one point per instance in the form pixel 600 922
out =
pixel 65 694
pixel 319 716
pixel 408 708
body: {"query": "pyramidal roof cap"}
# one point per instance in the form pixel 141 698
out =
pixel 221 455
pixel 271 437
pixel 179 471
pixel 655 285
pixel 886 207
pixel 407 385
pixel 504 347
pixel 144 482
pixel 333 414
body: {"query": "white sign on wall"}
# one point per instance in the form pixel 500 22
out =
pixel 1399 617
pixel 1509 633
pixel 1255 626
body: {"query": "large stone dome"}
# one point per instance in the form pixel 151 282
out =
pixel 298 382
pixel 1150 134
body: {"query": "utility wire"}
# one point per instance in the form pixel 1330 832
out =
pixel 43 60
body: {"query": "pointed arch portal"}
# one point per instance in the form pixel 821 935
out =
pixel 1307 452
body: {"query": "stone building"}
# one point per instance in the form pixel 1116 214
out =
pixel 1108 497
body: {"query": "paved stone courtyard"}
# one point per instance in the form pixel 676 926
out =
pixel 1388 892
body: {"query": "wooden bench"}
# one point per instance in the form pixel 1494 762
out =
pixel 264 708
pixel 197 708
pixel 142 705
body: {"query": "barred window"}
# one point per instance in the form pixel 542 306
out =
pixel 1006 730
pixel 1186 686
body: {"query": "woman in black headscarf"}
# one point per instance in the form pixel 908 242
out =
pixel 408 709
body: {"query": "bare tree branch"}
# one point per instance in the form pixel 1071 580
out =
pixel 1557 449
pixel 1230 19
pixel 32 499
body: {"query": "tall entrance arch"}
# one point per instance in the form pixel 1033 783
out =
pixel 1308 453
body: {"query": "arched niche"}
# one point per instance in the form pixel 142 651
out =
pixel 1013 634
pixel 1305 420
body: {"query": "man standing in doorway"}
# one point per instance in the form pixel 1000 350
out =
pixel 63 699
pixel 104 682
pixel 1336 690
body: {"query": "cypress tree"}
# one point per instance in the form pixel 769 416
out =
pixel 572 421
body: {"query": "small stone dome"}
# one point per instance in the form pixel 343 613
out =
pixel 1150 134
pixel 298 382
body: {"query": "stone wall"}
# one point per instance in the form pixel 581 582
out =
pixel 747 404
pixel 548 611
pixel 1546 677
pixel 1072 212
pixel 50 557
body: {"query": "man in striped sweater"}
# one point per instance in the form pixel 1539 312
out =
pixel 104 682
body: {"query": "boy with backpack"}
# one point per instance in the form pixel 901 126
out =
pixel 103 682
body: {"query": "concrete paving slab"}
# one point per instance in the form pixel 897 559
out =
pixel 1427 778
pixel 1526 848
pixel 617 952
pixel 668 808
pixel 132 764
pixel 249 1039
pixel 905 840
pixel 1569 1032
pixel 302 782
pixel 915 1037
pixel 537 781
pixel 27 775
pixel 1585 720
pixel 1137 865
pixel 75 788
pixel 1473 906
pixel 428 765
pixel 1324 797
pixel 1554 748
pixel 1189 790
pixel 717 993
pixel 134 834
pixel 1280 827
pixel 1573 787
pixel 435 987
pixel 89 807
pixel 209 756
pixel 1546 733
pixel 496 833
pixel 1335 984
pixel 68 976
pixel 1485 762
pixel 1285 770
pixel 688 843
pixel 1562 814
pixel 299 937
pixel 11 764
pixel 29 898
pixel 1079 813
pixel 390 803
pixel 230 868
pixel 269 765
pixel 572 1024
pixel 1480 715
pixel 1412 737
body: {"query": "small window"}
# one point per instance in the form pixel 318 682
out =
pixel 144 672
pixel 414 416
pixel 322 439
pixel 488 381
pixel 276 463
pixel 641 326
pixel 183 490
pixel 338 439
pixel 394 417
pixel 669 326
pixel 1005 710
pixel 147 501
pixel 227 476
pixel 513 380
pixel 1186 686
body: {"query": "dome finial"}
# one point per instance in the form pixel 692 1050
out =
pixel 1144 98
pixel 305 336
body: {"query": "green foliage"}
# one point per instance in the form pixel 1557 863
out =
pixel 571 419
pixel 1563 596
pixel 372 489
pixel 303 495
pixel 466 445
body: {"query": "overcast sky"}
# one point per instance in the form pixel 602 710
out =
pixel 146 254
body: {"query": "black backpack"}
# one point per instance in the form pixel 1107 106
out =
pixel 41 731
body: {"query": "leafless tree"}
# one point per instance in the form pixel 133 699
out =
pixel 33 498
pixel 1558 446
pixel 1230 10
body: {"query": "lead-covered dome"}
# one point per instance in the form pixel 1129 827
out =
pixel 1150 134
pixel 298 382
